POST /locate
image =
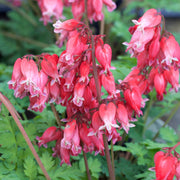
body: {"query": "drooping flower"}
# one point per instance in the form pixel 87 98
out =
pixel 165 166
pixel 107 114
pixel 51 10
pixel 50 134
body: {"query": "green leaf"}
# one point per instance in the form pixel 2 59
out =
pixel 60 109
pixel 118 148
pixel 153 145
pixel 169 134
pixel 126 168
pixel 47 161
pixel 148 175
pixel 7 143
pixel 30 168
pixel 139 151
pixel 68 173
pixel 94 166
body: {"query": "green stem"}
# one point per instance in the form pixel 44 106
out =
pixel 146 114
pixel 168 119
pixel 24 39
pixel 18 10
pixel 16 118
pixel 155 119
pixel 86 165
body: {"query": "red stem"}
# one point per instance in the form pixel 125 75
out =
pixel 15 116
pixel 86 165
pixel 174 147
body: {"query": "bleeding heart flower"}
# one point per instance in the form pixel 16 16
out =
pixel 103 55
pixel 165 166
pixel 160 84
pixel 107 114
pixel 50 134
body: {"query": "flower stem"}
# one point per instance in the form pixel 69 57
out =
pixel 112 155
pixel 108 159
pixel 168 119
pixel 174 147
pixel 102 24
pixel 86 165
pixel 16 117
pixel 86 14
pixel 146 114
pixel 96 78
pixel 56 115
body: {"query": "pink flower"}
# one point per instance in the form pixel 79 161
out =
pixel 51 10
pixel 172 76
pixel 76 148
pixel 134 99
pixel 78 94
pixel 150 19
pixel 88 145
pixel 68 25
pixel 69 132
pixel 109 84
pixel 30 73
pixel 159 84
pixel 177 174
pixel 49 66
pixel 84 72
pixel 65 156
pixel 50 134
pixel 16 74
pixel 111 6
pixel 103 54
pixel 69 81
pixel 122 117
pixel 107 114
pixel 164 166
pixel 139 41
pixel 54 93
pixel 78 8
pixel 169 47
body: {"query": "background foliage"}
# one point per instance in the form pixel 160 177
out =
pixel 133 155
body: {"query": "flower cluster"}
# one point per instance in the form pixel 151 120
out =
pixel 157 53
pixel 75 81
pixel 53 9
pixel 167 165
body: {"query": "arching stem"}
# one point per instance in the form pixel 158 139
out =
pixel 16 117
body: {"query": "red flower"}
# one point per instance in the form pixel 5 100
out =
pixel 107 114
pixel 122 117
pixel 160 84
pixel 51 10
pixel 178 170
pixel 103 54
pixel 50 134
pixel 69 132
pixel 164 166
